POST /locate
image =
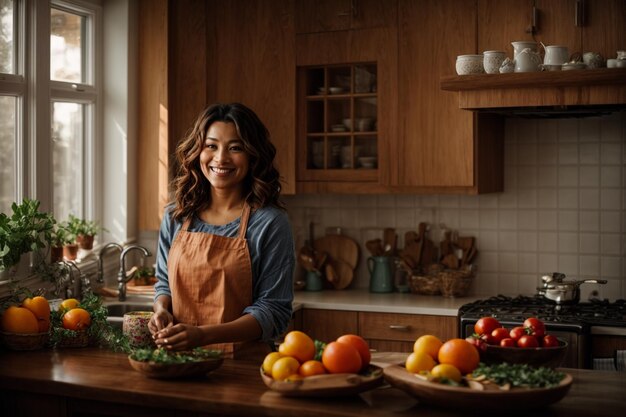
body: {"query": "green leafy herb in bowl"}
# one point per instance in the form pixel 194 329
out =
pixel 160 363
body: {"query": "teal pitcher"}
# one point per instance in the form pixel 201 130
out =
pixel 381 278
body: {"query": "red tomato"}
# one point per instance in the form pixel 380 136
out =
pixel 478 343
pixel 535 326
pixel 549 341
pixel 507 342
pixel 497 335
pixel 527 341
pixel 359 344
pixel 517 332
pixel 485 325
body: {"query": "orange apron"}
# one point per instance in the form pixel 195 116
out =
pixel 210 277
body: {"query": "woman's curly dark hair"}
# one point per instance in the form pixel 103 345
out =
pixel 192 191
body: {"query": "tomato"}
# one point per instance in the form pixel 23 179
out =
pixel 535 326
pixel 485 325
pixel 76 319
pixel 19 320
pixel 310 368
pixel 507 342
pixel 360 345
pixel 527 341
pixel 517 332
pixel 477 342
pixel 285 367
pixel 269 361
pixel 549 341
pixel 461 354
pixel 299 345
pixel 498 334
pixel 341 358
pixel 419 361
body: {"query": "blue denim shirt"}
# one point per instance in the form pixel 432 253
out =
pixel 272 252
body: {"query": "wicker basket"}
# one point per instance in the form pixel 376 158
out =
pixel 27 341
pixel 80 339
pixel 426 284
pixel 456 283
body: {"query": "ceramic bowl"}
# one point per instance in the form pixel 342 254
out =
pixel 574 66
pixel 367 161
pixel 550 357
pixel 469 64
pixel 492 60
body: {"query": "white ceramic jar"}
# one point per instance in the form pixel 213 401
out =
pixel 556 55
pixel 519 46
pixel 469 64
pixel 492 60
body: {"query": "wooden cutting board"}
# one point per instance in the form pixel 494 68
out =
pixel 339 247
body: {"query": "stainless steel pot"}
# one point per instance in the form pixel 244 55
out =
pixel 562 292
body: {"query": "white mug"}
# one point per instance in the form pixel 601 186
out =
pixel 519 46
pixel 556 55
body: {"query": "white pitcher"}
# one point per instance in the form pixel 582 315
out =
pixel 527 61
pixel 519 46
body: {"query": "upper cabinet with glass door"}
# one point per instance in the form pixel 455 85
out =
pixel 338 113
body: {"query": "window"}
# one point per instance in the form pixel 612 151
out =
pixel 49 119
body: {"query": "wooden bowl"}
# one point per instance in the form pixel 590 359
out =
pixel 328 385
pixel 465 398
pixel 176 370
pixel 550 357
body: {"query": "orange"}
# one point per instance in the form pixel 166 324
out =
pixel 428 344
pixel 40 307
pixel 461 354
pixel 68 304
pixel 445 370
pixel 341 358
pixel 76 319
pixel 299 345
pixel 310 368
pixel 269 360
pixel 284 367
pixel 19 320
pixel 419 361
pixel 360 345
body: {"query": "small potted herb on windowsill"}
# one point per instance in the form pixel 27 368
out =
pixel 84 230
pixel 59 238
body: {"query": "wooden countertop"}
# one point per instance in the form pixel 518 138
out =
pixel 103 378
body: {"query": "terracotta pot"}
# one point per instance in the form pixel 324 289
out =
pixel 70 252
pixel 56 254
pixel 85 242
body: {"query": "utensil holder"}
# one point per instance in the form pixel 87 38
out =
pixel 313 281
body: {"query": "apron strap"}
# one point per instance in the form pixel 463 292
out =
pixel 243 225
pixel 186 224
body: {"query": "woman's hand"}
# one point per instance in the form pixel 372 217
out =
pixel 180 337
pixel 161 319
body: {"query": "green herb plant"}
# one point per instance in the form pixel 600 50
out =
pixel 77 226
pixel 27 229
pixel 519 375
pixel 163 356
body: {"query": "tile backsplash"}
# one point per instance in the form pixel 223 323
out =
pixel 562 209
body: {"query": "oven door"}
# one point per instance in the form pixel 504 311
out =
pixel 578 350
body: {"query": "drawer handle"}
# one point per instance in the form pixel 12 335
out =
pixel 400 327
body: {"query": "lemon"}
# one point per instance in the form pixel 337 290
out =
pixel 284 367
pixel 444 370
pixel 428 344
pixel 268 362
pixel 419 361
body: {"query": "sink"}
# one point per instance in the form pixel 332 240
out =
pixel 116 311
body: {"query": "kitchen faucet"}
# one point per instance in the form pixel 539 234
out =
pixel 74 289
pixel 105 249
pixel 122 279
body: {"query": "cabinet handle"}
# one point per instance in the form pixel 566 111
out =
pixel 399 327
pixel 579 13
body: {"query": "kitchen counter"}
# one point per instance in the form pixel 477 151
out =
pixel 363 300
pixel 97 382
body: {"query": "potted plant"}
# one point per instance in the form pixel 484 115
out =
pixel 25 230
pixel 59 238
pixel 84 230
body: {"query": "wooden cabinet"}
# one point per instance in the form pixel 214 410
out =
pixel 398 332
pixel 337 133
pixel 388 332
pixel 332 15
pixel 328 325
pixel 440 148
pixel 344 59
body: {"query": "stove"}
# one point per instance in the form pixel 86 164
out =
pixel 571 323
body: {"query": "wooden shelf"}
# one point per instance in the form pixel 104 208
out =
pixel 597 87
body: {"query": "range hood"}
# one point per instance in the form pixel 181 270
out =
pixel 574 93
